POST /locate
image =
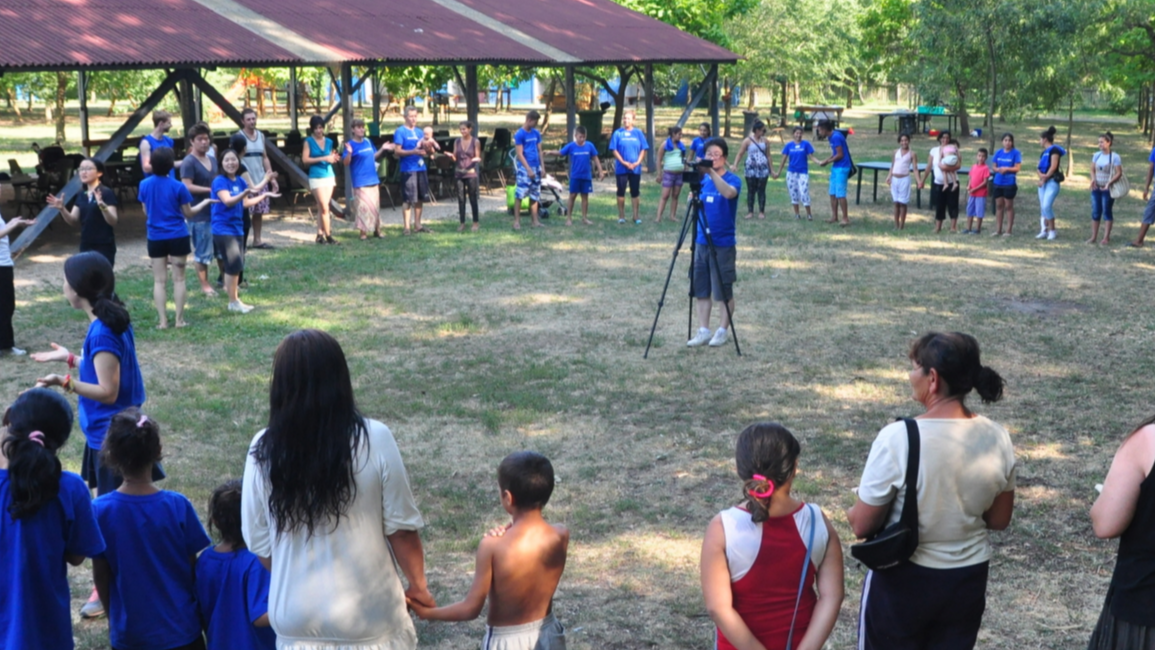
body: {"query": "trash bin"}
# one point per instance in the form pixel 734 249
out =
pixel 592 121
pixel 748 120
pixel 907 123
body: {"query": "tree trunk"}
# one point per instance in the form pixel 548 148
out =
pixel 12 103
pixel 1070 126
pixel 728 97
pixel 550 93
pixel 993 86
pixel 797 94
pixel 751 101
pixel 61 89
pixel 849 96
pixel 964 118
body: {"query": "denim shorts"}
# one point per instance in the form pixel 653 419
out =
pixel 839 179
pixel 201 233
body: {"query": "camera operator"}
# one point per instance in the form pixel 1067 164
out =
pixel 714 276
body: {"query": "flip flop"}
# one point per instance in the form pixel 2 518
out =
pixel 263 246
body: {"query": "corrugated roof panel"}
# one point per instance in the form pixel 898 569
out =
pixel 597 31
pixel 394 30
pixel 44 33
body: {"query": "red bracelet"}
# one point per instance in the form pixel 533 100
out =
pixel 71 360
pixel 67 385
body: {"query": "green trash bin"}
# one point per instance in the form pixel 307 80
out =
pixel 592 120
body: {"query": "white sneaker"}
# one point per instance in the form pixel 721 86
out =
pixel 240 307
pixel 16 352
pixel 1052 235
pixel 720 338
pixel 1042 235
pixel 701 338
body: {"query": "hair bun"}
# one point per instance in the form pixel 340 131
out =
pixel 989 385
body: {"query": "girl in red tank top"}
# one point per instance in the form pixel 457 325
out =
pixel 753 555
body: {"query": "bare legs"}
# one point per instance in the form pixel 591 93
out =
pixel 323 195
pixel 1007 207
pixel 899 215
pixel 517 213
pixel 202 271
pixel 835 203
pixel 704 306
pixel 670 195
pixel 416 211
pixel 1142 235
pixel 585 209
pixel 179 292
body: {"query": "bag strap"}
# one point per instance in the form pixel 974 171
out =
pixel 802 581
pixel 910 502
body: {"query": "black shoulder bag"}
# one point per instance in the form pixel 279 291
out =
pixel 895 544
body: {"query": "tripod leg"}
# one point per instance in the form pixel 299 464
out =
pixel 669 276
pixel 717 273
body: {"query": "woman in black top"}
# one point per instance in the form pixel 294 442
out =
pixel 94 209
pixel 1126 509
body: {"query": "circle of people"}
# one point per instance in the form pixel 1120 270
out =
pixel 316 539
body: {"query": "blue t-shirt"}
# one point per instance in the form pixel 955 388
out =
pixel 155 144
pixel 151 541
pixel 35 600
pixel 162 198
pixel 407 139
pixel 699 146
pixel 1151 158
pixel 94 415
pixel 580 159
pixel 529 141
pixel 362 166
pixel 320 169
pixel 721 213
pixel 839 140
pixel 799 153
pixel 1045 157
pixel 630 144
pixel 229 220
pixel 232 591
pixel 1004 158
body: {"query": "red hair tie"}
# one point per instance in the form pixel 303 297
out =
pixel 767 492
pixel 37 437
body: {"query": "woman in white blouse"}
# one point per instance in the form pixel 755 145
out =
pixel 327 507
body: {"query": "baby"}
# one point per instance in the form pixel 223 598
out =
pixel 950 158
pixel 428 143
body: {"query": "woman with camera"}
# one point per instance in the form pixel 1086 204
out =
pixel 965 487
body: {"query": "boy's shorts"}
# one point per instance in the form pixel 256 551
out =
pixel 415 187
pixel 546 634
pixel 839 179
pixel 976 206
pixel 581 185
pixel 527 186
pixel 672 179
pixel 201 233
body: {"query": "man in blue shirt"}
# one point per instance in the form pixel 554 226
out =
pixel 527 141
pixel 714 275
pixel 155 139
pixel 628 144
pixel 840 164
pixel 414 175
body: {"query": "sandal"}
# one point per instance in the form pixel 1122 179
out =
pixel 320 239
pixel 330 240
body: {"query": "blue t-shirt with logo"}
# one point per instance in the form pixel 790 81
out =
pixel 35 600
pixel 799 155
pixel 362 166
pixel 154 144
pixel 699 146
pixel 162 198
pixel 232 591
pixel 1004 158
pixel 1045 157
pixel 630 144
pixel 150 541
pixel 839 140
pixel 94 415
pixel 407 139
pixel 229 221
pixel 529 141
pixel 721 213
pixel 580 159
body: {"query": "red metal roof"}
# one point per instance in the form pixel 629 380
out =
pixel 82 33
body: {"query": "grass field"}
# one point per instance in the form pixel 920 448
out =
pixel 473 346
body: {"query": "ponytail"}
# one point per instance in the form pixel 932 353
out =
pixel 765 457
pixel 112 312
pixel 90 276
pixel 39 423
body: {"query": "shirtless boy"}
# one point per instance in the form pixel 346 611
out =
pixel 518 566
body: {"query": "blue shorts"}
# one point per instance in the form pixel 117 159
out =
pixel 976 206
pixel 581 185
pixel 527 186
pixel 201 233
pixel 839 179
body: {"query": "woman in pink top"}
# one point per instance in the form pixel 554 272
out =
pixel 753 555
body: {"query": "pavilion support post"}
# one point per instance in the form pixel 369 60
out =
pixel 713 91
pixel 82 95
pixel 696 99
pixel 72 188
pixel 187 110
pixel 648 81
pixel 294 124
pixel 377 98
pixel 472 106
pixel 570 102
pixel 353 89
pixel 347 118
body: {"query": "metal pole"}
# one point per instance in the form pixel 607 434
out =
pixel 377 98
pixel 293 122
pixel 570 102
pixel 651 156
pixel 82 95
pixel 714 100
pixel 472 107
pixel 347 118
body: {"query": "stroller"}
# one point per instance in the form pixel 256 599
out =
pixel 548 182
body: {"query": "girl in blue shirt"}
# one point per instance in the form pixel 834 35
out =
pixel 1006 163
pixel 46 522
pixel 698 145
pixel 1048 182
pixel 233 195
pixel 152 537
pixel 232 586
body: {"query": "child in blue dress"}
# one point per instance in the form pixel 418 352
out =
pixel 145 576
pixel 46 520
pixel 232 586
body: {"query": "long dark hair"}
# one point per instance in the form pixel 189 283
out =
pixel 90 276
pixel 38 422
pixel 314 432
pixel 769 450
pixel 955 356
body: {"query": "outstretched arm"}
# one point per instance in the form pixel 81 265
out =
pixel 469 607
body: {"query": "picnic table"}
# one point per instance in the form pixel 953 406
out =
pixel 884 166
pixel 808 120
pixel 923 120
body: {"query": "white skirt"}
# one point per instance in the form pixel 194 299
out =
pixel 900 189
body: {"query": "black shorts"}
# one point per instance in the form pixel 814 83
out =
pixel 415 187
pixel 705 281
pixel 104 480
pixel 633 180
pixel 175 247
pixel 228 249
pixel 1004 191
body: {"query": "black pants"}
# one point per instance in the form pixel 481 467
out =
pixel 944 201
pixel 470 187
pixel 199 644
pixel 755 187
pixel 7 306
pixel 911 607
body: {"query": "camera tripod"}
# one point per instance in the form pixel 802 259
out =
pixel 694 221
